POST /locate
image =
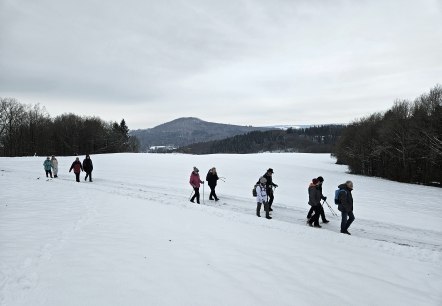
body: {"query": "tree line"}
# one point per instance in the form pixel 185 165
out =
pixel 316 139
pixel 402 144
pixel 28 130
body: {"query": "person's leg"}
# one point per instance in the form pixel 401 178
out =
pixel 271 197
pixel 310 212
pixel 194 195
pixel 47 173
pixel 317 215
pixel 315 218
pixel 197 195
pixel 343 221
pixel 267 209
pixel 77 177
pixel 351 218
pixel 90 176
pixel 324 220
pixel 258 209
pixel 212 192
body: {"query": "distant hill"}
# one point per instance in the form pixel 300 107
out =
pixel 315 139
pixel 184 131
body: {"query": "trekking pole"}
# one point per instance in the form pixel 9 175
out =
pixel 331 209
pixel 203 195
pixel 191 193
pixel 222 179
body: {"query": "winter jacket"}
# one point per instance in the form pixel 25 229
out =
pixel 54 163
pixel 345 199
pixel 47 164
pixel 320 190
pixel 195 180
pixel 87 165
pixel 269 183
pixel 261 193
pixel 76 165
pixel 211 179
pixel 314 195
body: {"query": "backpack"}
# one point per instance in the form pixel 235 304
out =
pixel 254 191
pixel 337 191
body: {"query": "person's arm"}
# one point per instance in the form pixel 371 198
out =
pixel 259 198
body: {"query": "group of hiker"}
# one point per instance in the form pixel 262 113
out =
pixel 263 191
pixel 52 164
pixel 195 181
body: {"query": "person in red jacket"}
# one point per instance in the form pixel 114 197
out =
pixel 195 182
pixel 76 165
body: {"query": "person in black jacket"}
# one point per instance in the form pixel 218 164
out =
pixel 345 206
pixel 321 209
pixel 269 186
pixel 88 167
pixel 314 200
pixel 212 178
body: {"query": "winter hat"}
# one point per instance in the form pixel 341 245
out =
pixel 320 178
pixel 349 184
pixel 263 180
pixel 195 169
pixel 270 170
pixel 315 181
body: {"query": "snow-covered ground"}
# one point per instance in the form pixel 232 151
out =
pixel 133 238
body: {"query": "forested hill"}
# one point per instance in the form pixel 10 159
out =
pixel 317 139
pixel 402 144
pixel 185 131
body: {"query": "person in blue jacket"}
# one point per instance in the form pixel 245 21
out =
pixel 47 164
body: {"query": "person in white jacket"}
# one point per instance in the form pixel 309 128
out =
pixel 54 163
pixel 261 198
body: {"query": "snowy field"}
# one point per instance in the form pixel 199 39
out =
pixel 133 238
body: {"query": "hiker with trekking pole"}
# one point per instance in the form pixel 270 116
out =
pixel 320 180
pixel 269 187
pixel 196 182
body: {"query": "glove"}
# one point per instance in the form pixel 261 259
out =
pixel 276 185
pixel 324 198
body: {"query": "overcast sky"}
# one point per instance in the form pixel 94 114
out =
pixel 242 62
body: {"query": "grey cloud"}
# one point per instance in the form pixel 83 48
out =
pixel 175 57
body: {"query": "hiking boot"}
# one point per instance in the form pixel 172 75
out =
pixel 268 217
pixel 192 201
pixel 317 225
pixel 346 232
pixel 211 199
pixel 270 209
pixel 216 199
pixel 325 221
